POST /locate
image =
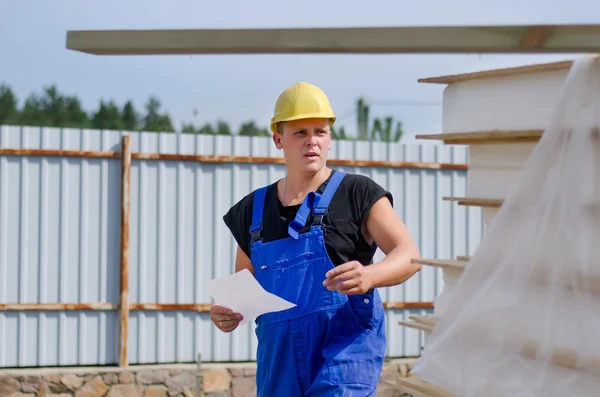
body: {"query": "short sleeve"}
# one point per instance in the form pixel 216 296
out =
pixel 367 192
pixel 238 219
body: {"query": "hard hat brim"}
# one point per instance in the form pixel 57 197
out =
pixel 275 121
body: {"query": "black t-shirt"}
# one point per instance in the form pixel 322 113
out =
pixel 346 213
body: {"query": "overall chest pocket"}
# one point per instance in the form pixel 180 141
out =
pixel 287 264
pixel 299 281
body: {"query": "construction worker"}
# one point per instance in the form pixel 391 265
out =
pixel 310 239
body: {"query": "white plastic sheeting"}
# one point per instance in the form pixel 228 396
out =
pixel 523 319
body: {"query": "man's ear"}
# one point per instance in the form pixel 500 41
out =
pixel 277 140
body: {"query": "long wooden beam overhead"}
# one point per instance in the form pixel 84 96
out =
pixel 583 38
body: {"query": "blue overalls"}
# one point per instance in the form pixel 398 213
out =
pixel 330 344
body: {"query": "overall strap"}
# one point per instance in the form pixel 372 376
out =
pixel 317 203
pixel 302 215
pixel 257 213
pixel 323 203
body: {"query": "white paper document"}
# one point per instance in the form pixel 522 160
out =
pixel 241 293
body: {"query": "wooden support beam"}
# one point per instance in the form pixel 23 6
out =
pixel 408 305
pixel 350 40
pixel 476 201
pixel 428 320
pixel 196 307
pixel 416 325
pixel 536 36
pixel 498 136
pixel 59 153
pixel 539 276
pixel 485 137
pixel 527 348
pixel 441 263
pixel 94 306
pixel 213 159
pixel 500 72
pixel 124 288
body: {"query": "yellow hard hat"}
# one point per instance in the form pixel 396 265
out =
pixel 301 101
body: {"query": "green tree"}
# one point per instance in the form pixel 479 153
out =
pixel 54 109
pixel 53 105
pixel 32 112
pixel 381 129
pixel 206 129
pixel 384 133
pixel 129 117
pixel 153 120
pixel 223 128
pixel 340 134
pixel 188 128
pixel 76 116
pixel 9 112
pixel 249 128
pixel 362 121
pixel 108 117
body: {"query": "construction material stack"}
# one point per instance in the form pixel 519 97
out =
pixel 501 116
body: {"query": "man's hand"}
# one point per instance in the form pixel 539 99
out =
pixel 349 278
pixel 225 319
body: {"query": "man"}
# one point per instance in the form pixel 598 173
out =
pixel 310 239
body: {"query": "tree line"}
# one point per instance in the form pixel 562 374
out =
pixel 51 108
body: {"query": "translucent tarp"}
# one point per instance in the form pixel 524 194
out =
pixel 523 320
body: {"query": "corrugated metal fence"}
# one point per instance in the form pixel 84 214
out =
pixel 63 255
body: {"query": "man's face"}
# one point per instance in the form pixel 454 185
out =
pixel 305 143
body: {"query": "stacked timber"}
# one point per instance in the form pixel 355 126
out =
pixel 500 115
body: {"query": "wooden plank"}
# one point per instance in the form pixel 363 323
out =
pixel 280 160
pixel 485 137
pixel 417 384
pixel 575 281
pixel 441 263
pixel 210 159
pixel 528 348
pixel 58 153
pixel 196 307
pixel 205 307
pixel 581 38
pixel 535 36
pixel 408 305
pixel 476 201
pixel 124 287
pixel 427 320
pixel 93 306
pixel 500 72
pixel 417 325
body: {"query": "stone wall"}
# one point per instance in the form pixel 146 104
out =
pixel 233 380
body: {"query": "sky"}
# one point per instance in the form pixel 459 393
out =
pixel 237 88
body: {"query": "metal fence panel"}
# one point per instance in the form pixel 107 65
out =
pixel 58 218
pixel 60 240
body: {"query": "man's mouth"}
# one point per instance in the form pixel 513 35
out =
pixel 311 155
